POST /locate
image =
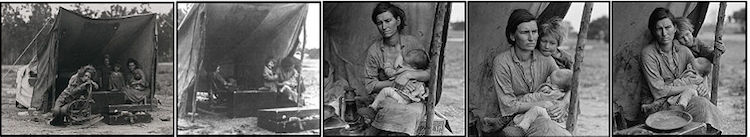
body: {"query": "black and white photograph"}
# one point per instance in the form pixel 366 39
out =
pixel 248 69
pixel 87 68
pixel 679 68
pixel 538 68
pixel 393 68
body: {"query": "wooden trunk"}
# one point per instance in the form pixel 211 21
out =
pixel 102 100
pixel 290 119
pixel 247 103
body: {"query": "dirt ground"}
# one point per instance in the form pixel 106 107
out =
pixel 12 123
pixel 732 87
pixel 593 88
pixel 205 124
pixel 452 101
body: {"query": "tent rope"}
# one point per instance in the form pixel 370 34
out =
pixel 27 46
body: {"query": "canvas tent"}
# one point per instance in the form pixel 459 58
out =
pixel 75 40
pixel 236 36
pixel 487 39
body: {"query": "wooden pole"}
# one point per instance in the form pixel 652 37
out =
pixel 437 48
pixel 573 105
pixel 717 54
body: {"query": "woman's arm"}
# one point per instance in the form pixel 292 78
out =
pixel 508 101
pixel 372 83
pixel 659 88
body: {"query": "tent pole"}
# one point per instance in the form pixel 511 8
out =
pixel 300 84
pixel 437 48
pixel 717 54
pixel 27 47
pixel 580 44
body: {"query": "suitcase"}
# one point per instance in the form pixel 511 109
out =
pixel 247 103
pixel 289 119
pixel 102 99
pixel 120 119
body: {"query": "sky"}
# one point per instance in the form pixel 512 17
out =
pixel 713 11
pixel 575 13
pixel 458 10
pixel 312 28
pixel 154 7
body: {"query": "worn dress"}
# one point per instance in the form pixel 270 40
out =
pixel 393 117
pixel 516 79
pixel 136 89
pixel 661 68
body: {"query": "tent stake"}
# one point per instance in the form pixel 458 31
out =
pixel 437 48
pixel 717 54
pixel 573 105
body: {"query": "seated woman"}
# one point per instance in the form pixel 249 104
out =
pixel 135 91
pixel 519 71
pixel 78 85
pixel 393 118
pixel 663 60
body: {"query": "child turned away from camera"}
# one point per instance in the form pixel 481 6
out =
pixel 556 87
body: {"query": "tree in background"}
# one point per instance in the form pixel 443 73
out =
pixel 740 17
pixel 19 29
pixel 599 29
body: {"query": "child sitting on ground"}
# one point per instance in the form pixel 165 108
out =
pixel 415 59
pixel 555 89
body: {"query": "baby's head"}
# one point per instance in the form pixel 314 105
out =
pixel 702 66
pixel 562 78
pixel 417 59
pixel 684 32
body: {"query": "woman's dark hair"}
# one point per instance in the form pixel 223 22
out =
pixel 397 12
pixel 656 15
pixel 517 17
pixel 131 60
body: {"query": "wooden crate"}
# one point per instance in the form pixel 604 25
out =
pixel 289 119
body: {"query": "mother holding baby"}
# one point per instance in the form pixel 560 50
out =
pixel 392 118
pixel 521 70
pixel 662 62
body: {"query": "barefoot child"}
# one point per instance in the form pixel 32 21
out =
pixel 555 89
